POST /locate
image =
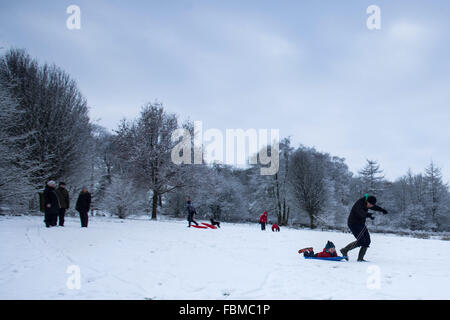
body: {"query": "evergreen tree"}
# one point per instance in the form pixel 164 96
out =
pixel 372 178
pixel 435 191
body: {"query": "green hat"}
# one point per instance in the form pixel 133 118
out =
pixel 371 199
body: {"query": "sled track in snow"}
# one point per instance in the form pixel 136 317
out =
pixel 43 243
pixel 262 285
pixel 165 260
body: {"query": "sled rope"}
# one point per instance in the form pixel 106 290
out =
pixel 361 233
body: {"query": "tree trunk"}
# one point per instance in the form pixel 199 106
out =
pixel 282 215
pixel 154 204
pixel 279 214
pixel 285 215
pixel 311 219
pixel 121 215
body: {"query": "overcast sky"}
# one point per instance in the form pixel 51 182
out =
pixel 309 68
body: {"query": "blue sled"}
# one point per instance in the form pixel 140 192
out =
pixel 329 259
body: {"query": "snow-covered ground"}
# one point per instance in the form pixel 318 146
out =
pixel 142 259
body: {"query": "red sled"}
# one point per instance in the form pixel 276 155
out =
pixel 200 227
pixel 209 225
pixel 304 250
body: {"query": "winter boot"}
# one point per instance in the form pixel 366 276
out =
pixel 305 250
pixel 350 246
pixel 361 254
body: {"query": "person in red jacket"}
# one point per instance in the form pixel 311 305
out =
pixel 275 227
pixel 263 220
pixel 328 252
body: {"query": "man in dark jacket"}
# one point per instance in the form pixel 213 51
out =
pixel 83 206
pixel 357 224
pixel 64 201
pixel 190 212
pixel 51 204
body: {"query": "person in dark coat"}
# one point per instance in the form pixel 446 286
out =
pixel 214 222
pixel 64 201
pixel 357 224
pixel 51 204
pixel 83 206
pixel 190 212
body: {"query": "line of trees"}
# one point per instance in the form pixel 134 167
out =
pixel 46 134
pixel 46 131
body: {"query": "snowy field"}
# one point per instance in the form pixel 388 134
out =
pixel 142 259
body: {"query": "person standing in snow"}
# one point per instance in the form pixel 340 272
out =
pixel 83 206
pixel 357 224
pixel 51 204
pixel 263 220
pixel 190 212
pixel 64 201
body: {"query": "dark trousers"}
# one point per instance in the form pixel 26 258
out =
pixel 50 219
pixel 62 212
pixel 84 217
pixel 191 219
pixel 310 254
pixel 263 226
pixel 361 234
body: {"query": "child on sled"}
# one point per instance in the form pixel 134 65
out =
pixel 328 252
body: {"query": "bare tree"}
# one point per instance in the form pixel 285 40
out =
pixel 307 182
pixel 281 183
pixel 121 197
pixel 145 147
